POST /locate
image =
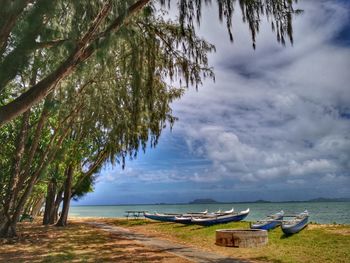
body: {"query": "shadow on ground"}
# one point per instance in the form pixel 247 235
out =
pixel 76 243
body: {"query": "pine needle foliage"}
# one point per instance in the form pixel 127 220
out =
pixel 67 33
pixel 92 82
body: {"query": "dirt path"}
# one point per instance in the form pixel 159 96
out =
pixel 192 254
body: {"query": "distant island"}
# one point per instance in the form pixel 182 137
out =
pixel 212 201
pixel 320 199
pixel 204 201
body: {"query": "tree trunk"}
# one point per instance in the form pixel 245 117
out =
pixel 39 91
pixel 16 182
pixel 10 227
pixel 4 223
pixel 6 227
pixel 54 215
pixel 29 206
pixel 37 206
pixel 10 19
pixel 67 196
pixel 85 48
pixel 27 192
pixel 3 219
pixel 11 65
pixel 50 202
pixel 16 168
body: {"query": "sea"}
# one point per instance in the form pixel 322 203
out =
pixel 320 212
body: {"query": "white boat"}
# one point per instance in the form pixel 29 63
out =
pixel 219 219
pixel 296 224
pixel 270 222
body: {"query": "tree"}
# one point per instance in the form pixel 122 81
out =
pixel 105 96
pixel 105 112
pixel 31 26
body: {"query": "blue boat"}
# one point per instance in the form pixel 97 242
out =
pixel 269 223
pixel 161 217
pixel 296 224
pixel 187 218
pixel 183 219
pixel 209 220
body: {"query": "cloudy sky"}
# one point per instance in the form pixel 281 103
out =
pixel 275 125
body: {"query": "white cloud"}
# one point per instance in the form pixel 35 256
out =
pixel 274 114
pixel 275 125
pixel 271 121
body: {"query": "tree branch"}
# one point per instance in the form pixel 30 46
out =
pixel 8 19
pixel 85 48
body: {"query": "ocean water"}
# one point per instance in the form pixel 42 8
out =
pixel 323 212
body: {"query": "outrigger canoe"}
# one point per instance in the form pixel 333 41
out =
pixel 269 223
pixel 209 220
pixel 161 217
pixel 171 217
pixel 296 224
pixel 183 219
pixel 187 218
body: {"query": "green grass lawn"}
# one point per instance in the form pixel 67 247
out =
pixel 316 243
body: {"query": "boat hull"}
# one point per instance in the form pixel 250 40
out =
pixel 162 218
pixel 178 218
pixel 268 225
pixel 293 229
pixel 183 220
pixel 219 219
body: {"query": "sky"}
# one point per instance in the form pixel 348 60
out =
pixel 275 125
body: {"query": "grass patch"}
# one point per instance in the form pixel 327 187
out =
pixel 316 243
pixel 83 243
pixel 59 257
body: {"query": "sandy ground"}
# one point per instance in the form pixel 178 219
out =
pixel 78 242
pixel 97 240
pixel 182 251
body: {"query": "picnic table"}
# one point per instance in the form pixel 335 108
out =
pixel 134 214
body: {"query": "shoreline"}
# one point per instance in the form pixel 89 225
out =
pixel 321 213
pixel 73 217
pixel 317 200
